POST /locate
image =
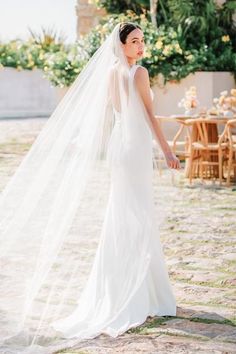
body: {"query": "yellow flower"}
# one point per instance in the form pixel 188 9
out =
pixel 225 38
pixel 41 55
pixel 233 92
pixel 221 100
pixel 13 45
pixel 167 49
pixel 148 54
pixel 189 57
pixel 159 44
pixel 193 89
pixel 177 48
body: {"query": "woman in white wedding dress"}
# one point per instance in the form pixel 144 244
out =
pixel 116 298
pixel 42 259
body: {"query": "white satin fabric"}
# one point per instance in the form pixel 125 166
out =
pixel 115 297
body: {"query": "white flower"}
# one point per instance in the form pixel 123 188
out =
pixel 224 93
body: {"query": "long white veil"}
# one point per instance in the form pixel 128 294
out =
pixel 46 219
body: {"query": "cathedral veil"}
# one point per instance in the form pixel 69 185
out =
pixel 46 209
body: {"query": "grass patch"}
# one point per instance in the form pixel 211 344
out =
pixel 210 321
pixel 230 263
pixel 225 270
pixel 161 322
pixel 209 284
pixel 153 323
pixel 14 148
pixel 69 351
pixel 225 208
pixel 210 242
pixel 209 304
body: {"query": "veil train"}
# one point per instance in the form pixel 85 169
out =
pixel 52 208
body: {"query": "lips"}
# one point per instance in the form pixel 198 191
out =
pixel 140 53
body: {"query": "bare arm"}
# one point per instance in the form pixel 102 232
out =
pixel 143 86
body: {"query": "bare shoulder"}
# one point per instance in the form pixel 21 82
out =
pixel 141 74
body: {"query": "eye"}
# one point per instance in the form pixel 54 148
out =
pixel 136 40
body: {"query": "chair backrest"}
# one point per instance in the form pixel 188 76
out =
pixel 231 125
pixel 179 128
pixel 202 133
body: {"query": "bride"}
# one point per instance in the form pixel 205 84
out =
pixel 100 137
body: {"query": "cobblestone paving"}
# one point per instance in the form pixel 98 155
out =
pixel 198 237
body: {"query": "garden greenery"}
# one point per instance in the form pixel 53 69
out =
pixel 171 53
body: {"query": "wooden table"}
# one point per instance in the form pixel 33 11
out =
pixel 212 132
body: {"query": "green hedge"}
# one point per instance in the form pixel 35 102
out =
pixel 167 55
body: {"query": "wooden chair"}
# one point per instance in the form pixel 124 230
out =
pixel 230 128
pixel 179 147
pixel 204 153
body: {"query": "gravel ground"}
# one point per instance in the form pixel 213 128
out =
pixel 199 238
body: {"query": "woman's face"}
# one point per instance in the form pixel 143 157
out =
pixel 134 46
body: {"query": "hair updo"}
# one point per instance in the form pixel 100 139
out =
pixel 125 29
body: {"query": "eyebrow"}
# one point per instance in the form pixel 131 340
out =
pixel 136 38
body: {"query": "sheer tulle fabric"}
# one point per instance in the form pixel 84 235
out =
pixel 85 185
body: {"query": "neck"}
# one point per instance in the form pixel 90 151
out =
pixel 131 62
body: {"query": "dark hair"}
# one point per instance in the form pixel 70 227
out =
pixel 125 29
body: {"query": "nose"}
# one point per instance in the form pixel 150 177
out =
pixel 141 46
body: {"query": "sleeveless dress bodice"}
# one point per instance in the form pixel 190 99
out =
pixel 132 72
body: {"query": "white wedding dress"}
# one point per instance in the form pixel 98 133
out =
pixel 129 279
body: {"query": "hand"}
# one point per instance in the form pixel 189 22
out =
pixel 172 160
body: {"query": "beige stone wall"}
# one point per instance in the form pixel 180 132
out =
pixel 87 16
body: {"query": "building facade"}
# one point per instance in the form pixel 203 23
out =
pixel 87 16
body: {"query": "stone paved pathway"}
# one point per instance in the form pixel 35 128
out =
pixel 199 239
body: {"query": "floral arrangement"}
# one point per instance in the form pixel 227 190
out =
pixel 225 104
pixel 189 101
